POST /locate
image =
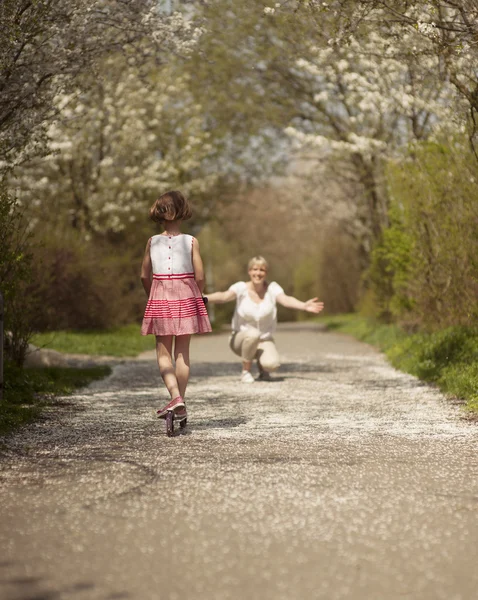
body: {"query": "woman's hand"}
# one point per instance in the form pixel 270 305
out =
pixel 313 305
pixel 220 297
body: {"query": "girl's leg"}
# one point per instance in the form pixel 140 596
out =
pixel 181 356
pixel 164 345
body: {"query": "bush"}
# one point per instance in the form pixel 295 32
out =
pixel 85 285
pixel 428 356
pixel 390 269
pixel 424 269
pixel 15 273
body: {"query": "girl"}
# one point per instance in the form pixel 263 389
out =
pixel 172 275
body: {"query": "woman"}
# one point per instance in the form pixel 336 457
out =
pixel 255 318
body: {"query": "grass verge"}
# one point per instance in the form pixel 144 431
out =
pixel 28 391
pixel 447 358
pixel 117 341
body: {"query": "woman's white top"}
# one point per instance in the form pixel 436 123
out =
pixel 262 315
pixel 172 254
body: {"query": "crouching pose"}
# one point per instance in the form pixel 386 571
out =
pixel 255 318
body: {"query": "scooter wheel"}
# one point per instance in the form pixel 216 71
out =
pixel 170 424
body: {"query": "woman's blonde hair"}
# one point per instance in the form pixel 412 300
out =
pixel 171 206
pixel 257 260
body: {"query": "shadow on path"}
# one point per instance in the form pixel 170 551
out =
pixel 220 423
pixel 206 370
pixel 25 587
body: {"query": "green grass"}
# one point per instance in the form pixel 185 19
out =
pixel 447 358
pixel 118 341
pixel 28 391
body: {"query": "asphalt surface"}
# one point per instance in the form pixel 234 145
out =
pixel 340 479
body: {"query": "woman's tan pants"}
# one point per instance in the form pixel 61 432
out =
pixel 247 345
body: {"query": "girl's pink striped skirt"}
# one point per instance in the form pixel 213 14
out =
pixel 175 307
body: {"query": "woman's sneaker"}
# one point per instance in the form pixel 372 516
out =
pixel 247 377
pixel 175 405
pixel 265 376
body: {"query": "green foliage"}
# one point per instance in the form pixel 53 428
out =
pixel 424 269
pixel 447 358
pixel 428 356
pixel 28 391
pixel 86 285
pixel 306 281
pixel 15 272
pixel 462 380
pixel 224 71
pixel 390 267
pixel 13 258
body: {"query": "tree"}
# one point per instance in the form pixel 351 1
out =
pixel 48 48
pixel 334 84
pixel 450 29
pixel 116 142
pixel 46 44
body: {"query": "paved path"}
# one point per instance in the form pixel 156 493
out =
pixel 341 479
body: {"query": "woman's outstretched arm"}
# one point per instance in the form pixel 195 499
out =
pixel 313 305
pixel 221 297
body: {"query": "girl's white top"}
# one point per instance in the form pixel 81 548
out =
pixel 172 254
pixel 262 315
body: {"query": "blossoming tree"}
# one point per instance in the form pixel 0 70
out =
pixel 46 44
pixel 116 142
pixel 337 86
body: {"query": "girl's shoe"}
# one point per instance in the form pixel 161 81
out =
pixel 175 405
pixel 181 413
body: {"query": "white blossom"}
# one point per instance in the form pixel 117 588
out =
pixel 107 158
pixel 428 29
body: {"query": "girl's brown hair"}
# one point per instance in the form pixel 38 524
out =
pixel 171 206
